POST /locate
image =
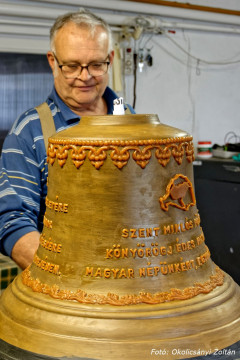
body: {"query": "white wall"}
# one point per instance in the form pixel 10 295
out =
pixel 203 99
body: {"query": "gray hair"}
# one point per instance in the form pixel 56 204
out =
pixel 81 17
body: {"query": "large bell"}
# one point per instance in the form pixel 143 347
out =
pixel 122 269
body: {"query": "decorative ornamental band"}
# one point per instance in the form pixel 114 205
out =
pixel 96 151
pixel 113 299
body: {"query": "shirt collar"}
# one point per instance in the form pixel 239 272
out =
pixel 109 95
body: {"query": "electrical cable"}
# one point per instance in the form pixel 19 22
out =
pixel 231 135
pixel 135 79
pixel 197 58
pixel 144 45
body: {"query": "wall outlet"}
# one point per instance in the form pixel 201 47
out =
pixel 128 61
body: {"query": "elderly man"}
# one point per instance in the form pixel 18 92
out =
pixel 80 56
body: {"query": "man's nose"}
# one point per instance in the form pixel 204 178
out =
pixel 84 74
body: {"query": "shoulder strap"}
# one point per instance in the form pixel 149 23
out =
pixel 47 122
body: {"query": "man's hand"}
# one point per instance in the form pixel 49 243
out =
pixel 25 248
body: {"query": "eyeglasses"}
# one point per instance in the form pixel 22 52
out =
pixel 72 71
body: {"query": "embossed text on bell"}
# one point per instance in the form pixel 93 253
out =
pixel 123 266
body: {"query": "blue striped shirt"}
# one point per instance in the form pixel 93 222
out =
pixel 23 170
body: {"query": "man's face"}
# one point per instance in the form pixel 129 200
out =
pixel 76 45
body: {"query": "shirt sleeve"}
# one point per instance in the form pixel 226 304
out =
pixel 23 175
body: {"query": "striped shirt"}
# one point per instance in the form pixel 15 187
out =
pixel 23 170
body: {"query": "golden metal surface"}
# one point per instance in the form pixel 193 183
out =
pixel 122 267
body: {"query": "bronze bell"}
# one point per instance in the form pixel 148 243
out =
pixel 122 269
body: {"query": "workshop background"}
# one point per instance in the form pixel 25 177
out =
pixel 180 60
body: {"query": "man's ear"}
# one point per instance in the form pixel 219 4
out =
pixel 111 56
pixel 51 60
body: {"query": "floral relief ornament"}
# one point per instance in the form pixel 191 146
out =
pixel 142 150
